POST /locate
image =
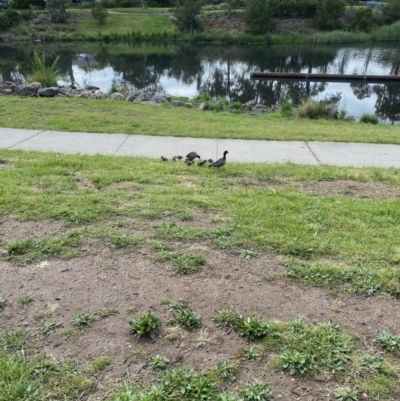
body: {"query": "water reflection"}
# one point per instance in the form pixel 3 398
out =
pixel 222 71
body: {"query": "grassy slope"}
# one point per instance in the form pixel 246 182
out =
pixel 123 117
pixel 119 23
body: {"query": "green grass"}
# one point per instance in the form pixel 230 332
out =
pixel 77 115
pixel 98 364
pixel 350 244
pixel 123 24
pixel 39 379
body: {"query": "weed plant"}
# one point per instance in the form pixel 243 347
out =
pixel 389 342
pixel 159 363
pixel 345 394
pixel 14 339
pixel 98 364
pixel 226 317
pixel 82 319
pixel 48 327
pixel 369 119
pixel 256 391
pixel 184 263
pixel 25 299
pixel 3 303
pixel 147 325
pixel 254 327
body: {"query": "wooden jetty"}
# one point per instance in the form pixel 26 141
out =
pixel 302 76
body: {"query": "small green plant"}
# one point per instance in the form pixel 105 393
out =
pixel 42 73
pixel 256 391
pixel 227 370
pixel 388 341
pixel 82 319
pixel 145 326
pixel 14 339
pixel 345 394
pixel 373 362
pixel 98 364
pixel 107 311
pixel 70 332
pixel 186 318
pixel 3 303
pixel 159 363
pixel 253 327
pixel 186 264
pixel 48 326
pixel 296 362
pixel 369 119
pixel 247 254
pixel 119 241
pixel 226 317
pixel 252 353
pixel 25 299
pixel 185 215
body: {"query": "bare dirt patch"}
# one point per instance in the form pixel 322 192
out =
pixel 348 188
pixel 135 282
pixel 14 230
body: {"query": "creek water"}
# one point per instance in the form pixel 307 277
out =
pixel 222 71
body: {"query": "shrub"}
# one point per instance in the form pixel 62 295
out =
pixel 13 16
pixel 57 11
pixel 5 23
pixel 328 14
pixel 99 13
pixel 391 12
pixel 369 119
pixel 257 16
pixel 20 4
pixel 186 15
pixel 146 325
pixel 364 19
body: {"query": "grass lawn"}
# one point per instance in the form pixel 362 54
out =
pixel 332 227
pixel 126 23
pixel 84 115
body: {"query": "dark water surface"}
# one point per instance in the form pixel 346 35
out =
pixel 222 71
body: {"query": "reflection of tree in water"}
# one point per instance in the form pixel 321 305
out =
pixel 361 90
pixel 387 102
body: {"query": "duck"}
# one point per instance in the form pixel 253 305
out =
pixel 188 162
pixel 220 162
pixel 202 163
pixel 164 159
pixel 192 155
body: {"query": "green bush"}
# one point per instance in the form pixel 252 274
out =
pixel 5 23
pixel 329 13
pixel 57 11
pixel 20 4
pixel 257 16
pixel 186 15
pixel 391 12
pixel 369 119
pixel 99 13
pixel 13 16
pixel 364 19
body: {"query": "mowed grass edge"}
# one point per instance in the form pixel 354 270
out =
pixel 103 116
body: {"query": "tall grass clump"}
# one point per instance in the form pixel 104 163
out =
pixel 339 37
pixel 314 110
pixel 387 33
pixel 367 118
pixel 47 76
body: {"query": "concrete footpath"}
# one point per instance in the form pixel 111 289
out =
pixel 314 153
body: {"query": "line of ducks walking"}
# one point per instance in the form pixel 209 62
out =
pixel 190 160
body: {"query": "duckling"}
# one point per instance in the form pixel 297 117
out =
pixel 179 157
pixel 188 162
pixel 164 159
pixel 220 162
pixel 202 163
pixel 192 155
pixel 210 161
pixel 174 159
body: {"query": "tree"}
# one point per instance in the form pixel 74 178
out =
pixel 99 13
pixel 186 15
pixel 257 16
pixel 57 10
pixel 329 13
